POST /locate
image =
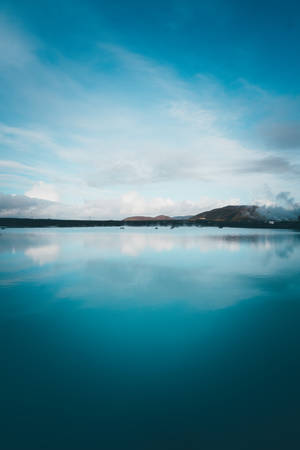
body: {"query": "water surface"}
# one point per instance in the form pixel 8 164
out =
pixel 149 339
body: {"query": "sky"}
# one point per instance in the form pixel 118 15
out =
pixel 112 109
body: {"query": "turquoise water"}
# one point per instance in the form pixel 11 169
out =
pixel 149 339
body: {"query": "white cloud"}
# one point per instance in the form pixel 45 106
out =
pixel 43 191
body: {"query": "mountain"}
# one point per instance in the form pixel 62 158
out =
pixel 245 215
pixel 161 217
pixel 231 213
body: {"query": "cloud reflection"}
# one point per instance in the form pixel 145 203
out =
pixel 206 268
pixel 43 254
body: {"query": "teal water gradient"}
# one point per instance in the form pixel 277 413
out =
pixel 149 339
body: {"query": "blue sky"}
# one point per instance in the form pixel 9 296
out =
pixel 109 109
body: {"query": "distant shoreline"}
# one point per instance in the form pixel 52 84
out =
pixel 173 223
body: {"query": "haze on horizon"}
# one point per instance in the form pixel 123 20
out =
pixel 172 107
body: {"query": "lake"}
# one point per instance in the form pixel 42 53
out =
pixel 149 338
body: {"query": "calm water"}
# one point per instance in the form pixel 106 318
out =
pixel 148 339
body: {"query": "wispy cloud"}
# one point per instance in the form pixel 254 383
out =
pixel 17 49
pixel 281 135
